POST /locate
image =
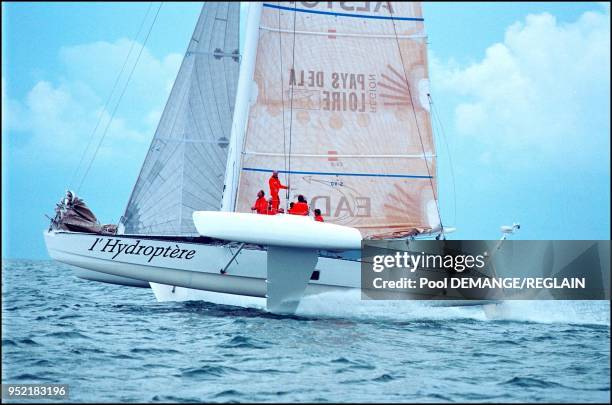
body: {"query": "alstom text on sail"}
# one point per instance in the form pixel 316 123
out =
pixel 359 6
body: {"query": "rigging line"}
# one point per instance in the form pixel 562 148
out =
pixel 110 96
pixel 291 102
pixel 120 98
pixel 416 121
pixel 450 159
pixel 280 52
pixel 137 190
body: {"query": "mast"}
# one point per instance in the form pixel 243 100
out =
pixel 241 110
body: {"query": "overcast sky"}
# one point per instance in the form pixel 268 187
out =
pixel 523 92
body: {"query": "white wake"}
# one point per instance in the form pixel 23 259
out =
pixel 350 305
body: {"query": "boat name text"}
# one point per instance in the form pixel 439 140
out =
pixel 115 246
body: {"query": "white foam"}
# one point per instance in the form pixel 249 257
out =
pixel 166 293
pixel 569 312
pixel 348 304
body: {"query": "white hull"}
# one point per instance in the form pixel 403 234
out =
pixel 183 269
pixel 246 275
pixel 108 278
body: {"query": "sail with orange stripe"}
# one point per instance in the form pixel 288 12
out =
pixel 340 108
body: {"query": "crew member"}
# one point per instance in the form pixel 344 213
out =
pixel 300 207
pixel 261 205
pixel 275 186
pixel 318 216
pixel 271 209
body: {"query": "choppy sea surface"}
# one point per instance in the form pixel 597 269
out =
pixel 116 344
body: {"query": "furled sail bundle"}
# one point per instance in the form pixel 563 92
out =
pixel 341 110
pixel 184 168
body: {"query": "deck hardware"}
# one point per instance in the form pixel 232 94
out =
pixel 224 269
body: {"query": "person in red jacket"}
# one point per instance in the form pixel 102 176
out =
pixel 261 205
pixel 271 209
pixel 318 216
pixel 275 187
pixel 300 207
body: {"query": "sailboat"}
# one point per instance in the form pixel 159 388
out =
pixel 335 98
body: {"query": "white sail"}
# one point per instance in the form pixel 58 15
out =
pixel 341 111
pixel 185 166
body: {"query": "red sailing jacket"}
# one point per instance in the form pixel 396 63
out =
pixel 299 208
pixel 261 206
pixel 272 211
pixel 275 186
pixel 319 218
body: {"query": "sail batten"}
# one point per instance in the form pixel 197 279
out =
pixel 185 166
pixel 347 88
pixel 344 34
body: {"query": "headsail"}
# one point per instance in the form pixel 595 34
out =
pixel 342 112
pixel 185 166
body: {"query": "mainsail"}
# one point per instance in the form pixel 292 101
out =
pixel 341 110
pixel 184 168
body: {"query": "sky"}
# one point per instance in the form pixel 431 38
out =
pixel 522 92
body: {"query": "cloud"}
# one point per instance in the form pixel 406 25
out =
pixel 541 95
pixel 98 64
pixel 12 112
pixel 57 117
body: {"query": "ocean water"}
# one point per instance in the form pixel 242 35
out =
pixel 112 344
